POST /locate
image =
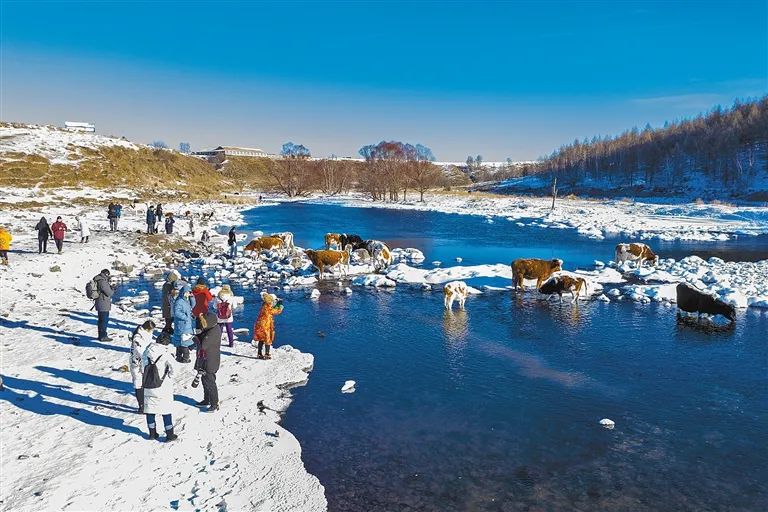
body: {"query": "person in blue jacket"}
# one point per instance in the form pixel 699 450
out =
pixel 183 321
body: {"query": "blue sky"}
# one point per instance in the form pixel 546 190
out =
pixel 501 79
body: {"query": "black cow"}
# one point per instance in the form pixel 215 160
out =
pixel 691 300
pixel 354 240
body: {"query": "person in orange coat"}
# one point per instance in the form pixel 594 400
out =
pixel 264 328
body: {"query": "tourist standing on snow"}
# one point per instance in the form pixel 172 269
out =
pixel 43 231
pixel 5 245
pixel 206 237
pixel 58 229
pixel 158 393
pixel 264 328
pixel 169 222
pixel 112 216
pixel 85 230
pixel 223 307
pixel 208 358
pixel 118 214
pixel 232 241
pixel 140 340
pixel 103 302
pixel 202 297
pixel 150 220
pixel 166 300
pixel 183 321
pixel 191 226
pixel 158 214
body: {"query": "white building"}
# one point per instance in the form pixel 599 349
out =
pixel 76 126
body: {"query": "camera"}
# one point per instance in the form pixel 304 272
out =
pixel 279 303
pixel 198 376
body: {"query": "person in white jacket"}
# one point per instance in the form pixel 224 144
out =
pixel 159 400
pixel 140 340
pixel 85 229
pixel 222 305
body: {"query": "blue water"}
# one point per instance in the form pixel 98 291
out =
pixel 497 408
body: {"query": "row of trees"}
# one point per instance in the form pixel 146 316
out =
pixel 724 145
pixel 391 168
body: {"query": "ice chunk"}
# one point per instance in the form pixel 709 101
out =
pixel 606 423
pixel 348 387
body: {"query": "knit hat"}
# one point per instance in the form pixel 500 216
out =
pixel 269 298
pixel 201 280
pixel 225 290
pixel 172 276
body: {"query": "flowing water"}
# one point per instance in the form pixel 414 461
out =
pixel 497 408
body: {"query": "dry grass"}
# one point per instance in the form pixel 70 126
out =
pixel 144 170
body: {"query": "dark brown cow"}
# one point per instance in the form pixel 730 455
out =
pixel 691 300
pixel 533 268
pixel 562 284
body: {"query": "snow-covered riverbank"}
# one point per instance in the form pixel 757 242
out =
pixel 71 438
pixel 592 218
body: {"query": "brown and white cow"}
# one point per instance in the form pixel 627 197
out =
pixel 381 256
pixel 635 252
pixel 455 290
pixel 560 284
pixel 327 259
pixel 286 237
pixel 533 268
pixel 265 243
pixel 332 239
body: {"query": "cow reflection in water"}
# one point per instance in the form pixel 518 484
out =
pixel 455 325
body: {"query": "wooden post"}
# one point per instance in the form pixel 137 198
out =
pixel 554 191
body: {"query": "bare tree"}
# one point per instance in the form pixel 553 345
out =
pixel 293 172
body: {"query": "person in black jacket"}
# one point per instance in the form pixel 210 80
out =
pixel 232 241
pixel 208 358
pixel 43 232
pixel 150 220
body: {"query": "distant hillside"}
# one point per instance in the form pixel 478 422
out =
pixel 720 155
pixel 49 157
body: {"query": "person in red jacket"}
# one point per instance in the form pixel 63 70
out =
pixel 202 297
pixel 59 228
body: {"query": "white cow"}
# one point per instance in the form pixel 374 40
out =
pixel 455 290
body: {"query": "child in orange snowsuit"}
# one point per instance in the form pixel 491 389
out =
pixel 264 328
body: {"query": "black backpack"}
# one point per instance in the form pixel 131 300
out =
pixel 152 378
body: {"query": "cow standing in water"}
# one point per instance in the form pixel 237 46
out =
pixel 533 268
pixel 691 300
pixel 562 284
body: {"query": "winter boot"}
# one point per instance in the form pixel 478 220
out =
pixel 204 403
pixel 185 355
pixel 140 399
pixel 179 357
pixel 213 407
pixel 153 433
pixel 170 436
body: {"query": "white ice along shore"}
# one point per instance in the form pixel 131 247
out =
pixel 596 219
pixel 71 438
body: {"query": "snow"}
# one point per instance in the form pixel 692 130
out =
pixel 55 144
pixel 68 411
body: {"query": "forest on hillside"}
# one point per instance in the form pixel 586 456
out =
pixel 721 153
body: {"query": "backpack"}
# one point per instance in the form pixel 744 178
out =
pixel 92 289
pixel 152 378
pixel 224 310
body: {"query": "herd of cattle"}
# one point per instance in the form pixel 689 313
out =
pixel 339 248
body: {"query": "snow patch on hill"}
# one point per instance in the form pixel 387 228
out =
pixel 57 145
